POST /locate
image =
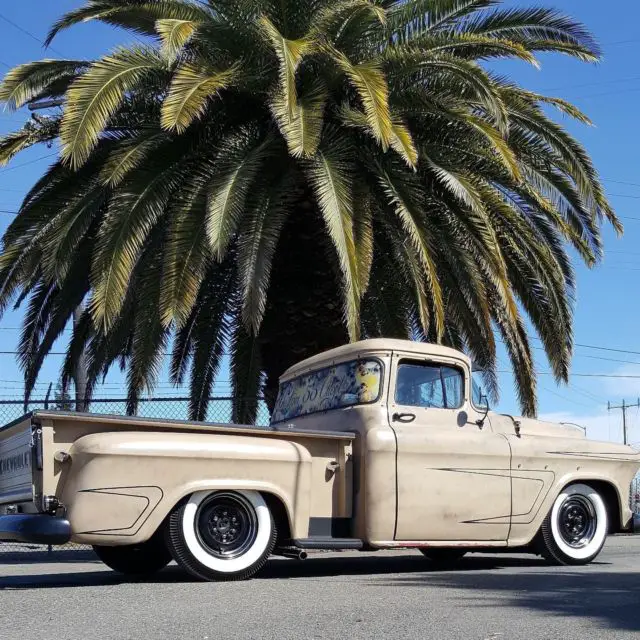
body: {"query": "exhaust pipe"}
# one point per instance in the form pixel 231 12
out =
pixel 295 554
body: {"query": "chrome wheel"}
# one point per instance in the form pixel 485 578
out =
pixel 577 521
pixel 226 525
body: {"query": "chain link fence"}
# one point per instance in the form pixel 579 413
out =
pixel 176 408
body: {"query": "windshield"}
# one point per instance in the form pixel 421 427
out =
pixel 342 385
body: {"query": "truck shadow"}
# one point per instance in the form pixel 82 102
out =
pixel 414 568
pixel 610 597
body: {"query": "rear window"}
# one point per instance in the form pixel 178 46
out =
pixel 342 385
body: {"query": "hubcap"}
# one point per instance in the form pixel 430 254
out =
pixel 577 521
pixel 226 525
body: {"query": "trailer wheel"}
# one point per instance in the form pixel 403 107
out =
pixel 136 559
pixel 442 556
pixel 575 530
pixel 221 535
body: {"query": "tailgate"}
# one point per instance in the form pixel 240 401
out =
pixel 16 462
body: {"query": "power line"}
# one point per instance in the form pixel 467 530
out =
pixel 24 164
pixel 4 64
pixel 630 184
pixel 624 195
pixel 592 84
pixel 619 42
pixel 28 33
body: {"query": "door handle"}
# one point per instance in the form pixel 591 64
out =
pixel 403 417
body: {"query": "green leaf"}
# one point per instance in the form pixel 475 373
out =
pixel 289 54
pixel 329 174
pixel 402 143
pixel 187 252
pixel 139 17
pixel 12 144
pixel 175 34
pixel 257 244
pixel 237 169
pixel 128 155
pixel 363 234
pixel 302 129
pixel 369 81
pixel 26 82
pixel 130 218
pixel 189 93
pixel 96 95
pixel 246 375
pixel 409 217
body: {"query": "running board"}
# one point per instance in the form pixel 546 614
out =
pixel 321 542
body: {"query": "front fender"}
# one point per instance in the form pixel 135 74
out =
pixel 121 485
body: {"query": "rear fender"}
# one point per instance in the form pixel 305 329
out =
pixel 122 486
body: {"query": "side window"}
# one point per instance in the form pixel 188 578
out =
pixel 429 386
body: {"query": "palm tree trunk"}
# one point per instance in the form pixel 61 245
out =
pixel 304 309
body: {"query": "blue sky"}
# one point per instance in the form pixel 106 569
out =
pixel 607 307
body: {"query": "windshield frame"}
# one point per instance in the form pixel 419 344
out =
pixel 329 365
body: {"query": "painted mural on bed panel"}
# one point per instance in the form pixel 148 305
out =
pixel 342 385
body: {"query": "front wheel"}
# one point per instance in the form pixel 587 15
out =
pixel 140 559
pixel 221 535
pixel 575 530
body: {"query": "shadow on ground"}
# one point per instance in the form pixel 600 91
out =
pixel 611 597
pixel 595 592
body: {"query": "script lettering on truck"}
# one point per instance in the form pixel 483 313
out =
pixel 341 385
pixel 15 463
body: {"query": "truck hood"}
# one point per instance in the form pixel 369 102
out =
pixel 507 424
pixel 532 427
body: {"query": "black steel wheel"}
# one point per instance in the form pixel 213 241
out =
pixel 221 535
pixel 576 527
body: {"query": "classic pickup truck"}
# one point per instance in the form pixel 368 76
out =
pixel 375 445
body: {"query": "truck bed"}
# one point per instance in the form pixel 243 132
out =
pixel 134 422
pixel 75 463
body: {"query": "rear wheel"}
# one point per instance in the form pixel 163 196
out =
pixel 575 530
pixel 136 559
pixel 443 556
pixel 221 535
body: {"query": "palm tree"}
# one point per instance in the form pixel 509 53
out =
pixel 276 178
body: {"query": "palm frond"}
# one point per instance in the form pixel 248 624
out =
pixel 239 163
pixel 190 90
pixel 175 34
pixel 329 174
pixel 94 97
pixel 27 82
pixel 289 54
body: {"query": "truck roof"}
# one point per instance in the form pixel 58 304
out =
pixel 369 347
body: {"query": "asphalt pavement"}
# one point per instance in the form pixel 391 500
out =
pixel 395 595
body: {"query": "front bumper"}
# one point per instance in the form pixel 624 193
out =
pixel 36 529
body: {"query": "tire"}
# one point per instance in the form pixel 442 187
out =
pixel 443 556
pixel 141 559
pixel 575 530
pixel 221 535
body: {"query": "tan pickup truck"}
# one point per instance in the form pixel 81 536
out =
pixel 375 445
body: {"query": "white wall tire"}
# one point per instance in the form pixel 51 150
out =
pixel 575 530
pixel 221 535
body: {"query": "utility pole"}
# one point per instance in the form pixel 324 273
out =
pixel 624 408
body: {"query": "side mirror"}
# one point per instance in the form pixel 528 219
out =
pixel 480 422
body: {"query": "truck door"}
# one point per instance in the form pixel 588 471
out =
pixel 453 476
